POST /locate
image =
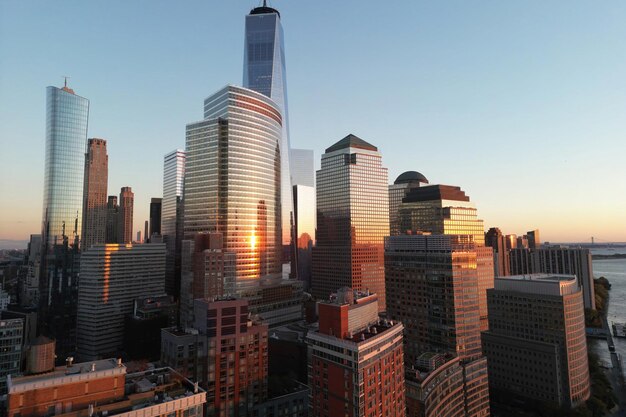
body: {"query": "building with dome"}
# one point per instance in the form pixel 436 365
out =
pixel 397 191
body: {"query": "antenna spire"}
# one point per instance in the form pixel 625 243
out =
pixel 264 3
pixel 65 83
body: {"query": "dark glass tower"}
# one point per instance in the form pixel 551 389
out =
pixel 264 72
pixel 66 144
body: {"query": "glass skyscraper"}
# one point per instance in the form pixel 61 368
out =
pixel 352 220
pixel 66 145
pixel 232 180
pixel 264 71
pixel 171 217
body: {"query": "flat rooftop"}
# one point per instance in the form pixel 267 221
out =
pixel 541 284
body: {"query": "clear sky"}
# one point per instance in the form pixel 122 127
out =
pixel 522 104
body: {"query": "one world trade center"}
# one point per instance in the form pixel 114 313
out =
pixel 264 71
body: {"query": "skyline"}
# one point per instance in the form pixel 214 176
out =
pixel 541 104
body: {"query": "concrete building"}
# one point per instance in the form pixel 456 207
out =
pixel 104 388
pixel 352 220
pixel 142 329
pixel 95 194
pixel 536 346
pixel 125 216
pixel 552 259
pixel 112 277
pixel 156 205
pixel 356 365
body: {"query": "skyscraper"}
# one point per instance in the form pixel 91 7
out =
pixel 171 217
pixel 397 191
pixel 496 240
pixel 112 213
pixel 232 180
pixel 155 218
pixel 534 241
pixel 66 143
pixel 95 194
pixel 303 179
pixel 264 72
pixel 352 220
pixel 536 345
pixel 125 215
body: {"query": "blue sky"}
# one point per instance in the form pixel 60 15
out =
pixel 522 104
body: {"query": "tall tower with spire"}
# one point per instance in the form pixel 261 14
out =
pixel 264 72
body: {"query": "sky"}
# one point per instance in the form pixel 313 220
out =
pixel 521 104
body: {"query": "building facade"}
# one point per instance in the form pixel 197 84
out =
pixel 497 241
pixel 104 388
pixel 397 191
pixel 356 365
pixel 155 218
pixel 232 180
pixel 553 259
pixel 112 213
pixel 264 71
pixel 67 116
pixel 125 216
pixel 352 220
pixel 95 194
pixel 303 179
pixel 112 277
pixel 11 340
pixel 172 217
pixel 536 346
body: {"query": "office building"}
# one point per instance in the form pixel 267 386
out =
pixel 142 328
pixel 522 242
pixel 447 210
pixel 112 277
pixel 356 365
pixel 112 219
pixel 534 242
pixel 536 345
pixel 125 216
pixel 29 287
pixel 352 220
pixel 95 194
pixel 103 388
pixel 397 191
pixel 264 72
pixel 156 205
pixel 11 340
pixel 237 357
pixel 497 241
pixel 303 167
pixel 303 179
pixel 556 259
pixel 511 242
pixel 232 180
pixel 172 217
pixel 66 145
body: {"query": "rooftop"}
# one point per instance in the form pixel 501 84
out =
pixel 351 141
pixel 436 192
pixel 540 284
pixel 409 177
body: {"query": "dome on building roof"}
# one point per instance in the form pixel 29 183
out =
pixel 410 176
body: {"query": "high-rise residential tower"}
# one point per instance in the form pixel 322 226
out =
pixel 264 72
pixel 352 220
pixel 232 180
pixel 66 144
pixel 397 191
pixel 125 216
pixel 95 194
pixel 172 216
pixel 356 364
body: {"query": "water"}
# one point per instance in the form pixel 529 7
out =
pixel 615 271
